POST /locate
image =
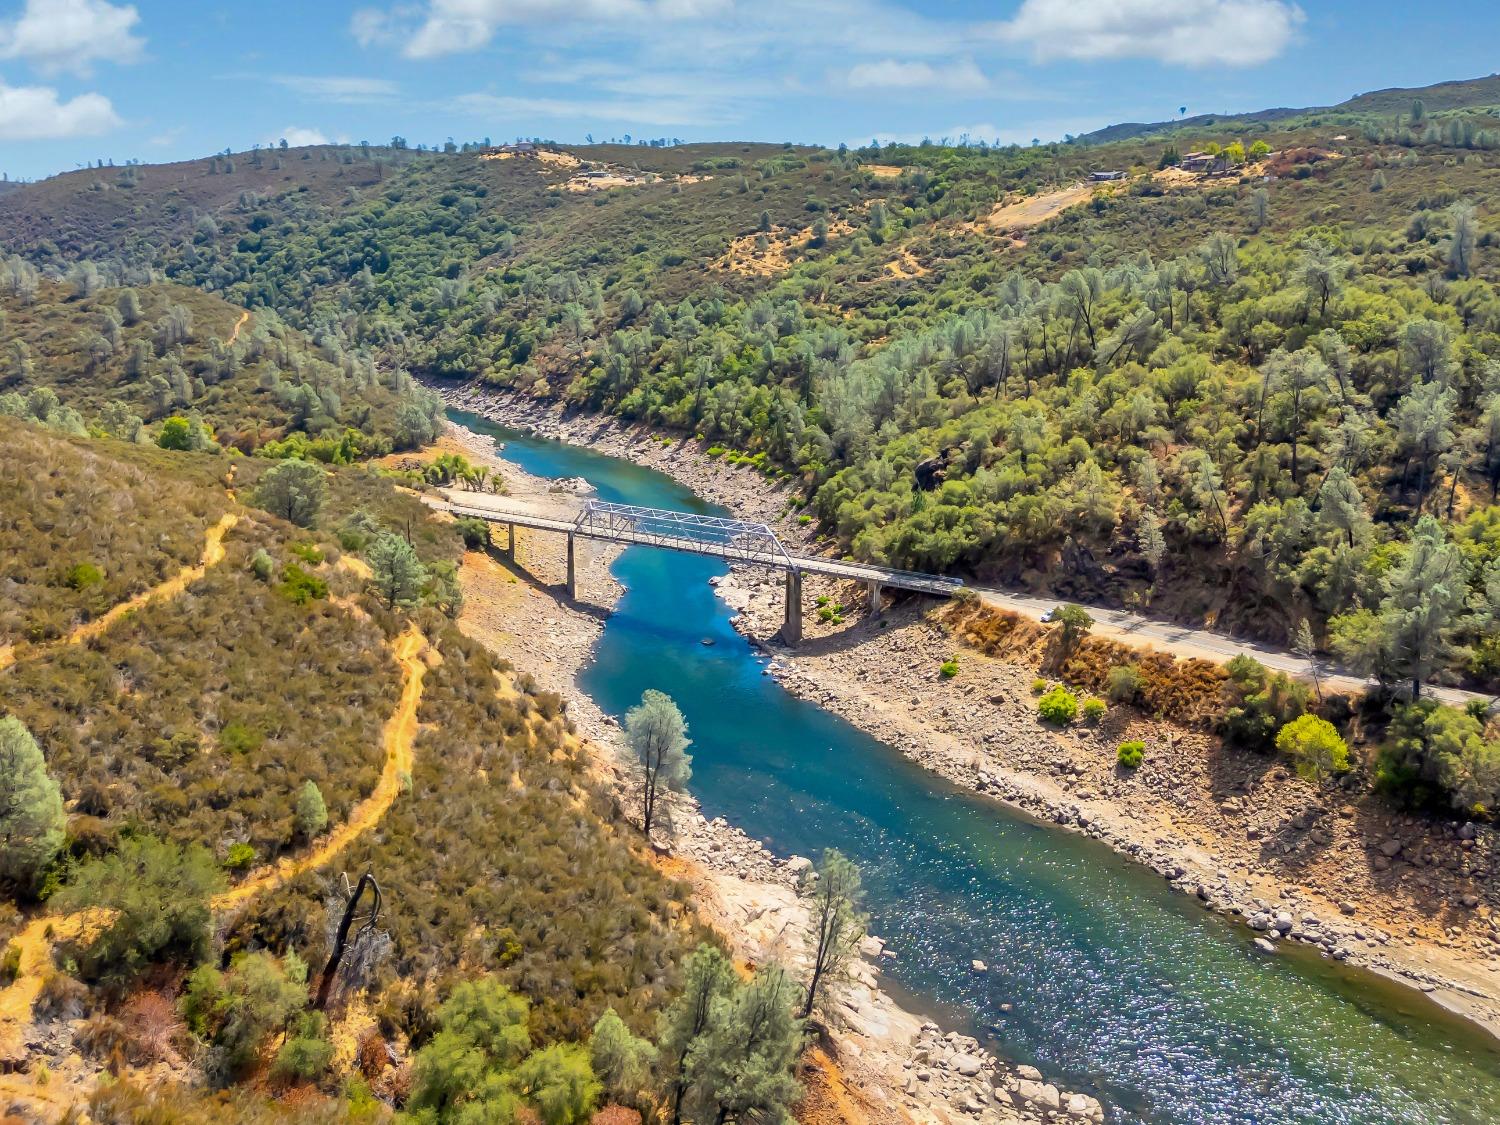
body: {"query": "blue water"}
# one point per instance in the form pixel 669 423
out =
pixel 1118 986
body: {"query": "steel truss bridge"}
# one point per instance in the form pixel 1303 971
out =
pixel 735 540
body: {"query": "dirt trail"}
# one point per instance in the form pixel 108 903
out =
pixel 399 737
pixel 213 554
pixel 235 335
pixel 35 943
pixel 37 939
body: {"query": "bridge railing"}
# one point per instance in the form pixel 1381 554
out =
pixel 735 540
pixel 738 538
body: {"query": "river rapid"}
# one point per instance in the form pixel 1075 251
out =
pixel 1098 973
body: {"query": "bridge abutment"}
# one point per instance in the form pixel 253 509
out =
pixel 791 627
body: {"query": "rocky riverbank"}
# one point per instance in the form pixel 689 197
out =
pixel 1334 869
pixel 897 1066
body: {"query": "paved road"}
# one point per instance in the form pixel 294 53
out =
pixel 1181 640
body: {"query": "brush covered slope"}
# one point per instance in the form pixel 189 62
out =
pixel 174 365
pixel 198 782
pixel 1232 391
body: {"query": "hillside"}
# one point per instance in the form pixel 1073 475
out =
pixel 258 664
pixel 92 354
pixel 1469 94
pixel 1137 393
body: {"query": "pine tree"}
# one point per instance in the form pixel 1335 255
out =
pixel 312 812
pixel 31 808
pixel 837 924
pixel 708 977
pixel 622 1061
pixel 399 574
pixel 744 1068
pixel 657 733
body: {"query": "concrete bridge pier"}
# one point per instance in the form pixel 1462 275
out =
pixel 875 590
pixel 510 542
pixel 572 571
pixel 791 626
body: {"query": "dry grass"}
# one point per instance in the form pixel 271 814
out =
pixel 1184 691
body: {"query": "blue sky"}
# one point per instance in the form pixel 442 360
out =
pixel 164 80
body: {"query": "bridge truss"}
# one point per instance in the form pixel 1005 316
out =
pixel 735 540
pixel 655 527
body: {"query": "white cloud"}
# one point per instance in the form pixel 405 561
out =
pixel 351 90
pixel 36 113
pixel 1185 32
pixel 298 136
pixel 58 35
pixel 961 77
pixel 449 26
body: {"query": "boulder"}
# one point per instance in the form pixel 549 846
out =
pixel 1084 1108
pixel 1264 946
pixel 977 966
pixel 967 1065
pixel 1042 1095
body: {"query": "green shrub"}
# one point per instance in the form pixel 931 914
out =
pixel 262 565
pixel 825 614
pixel 237 738
pixel 1093 709
pixel 235 1011
pixel 474 532
pixel 1059 706
pixel 1314 745
pixel 715 451
pixel 84 576
pixel 307 1053
pixel 308 553
pixel 10 963
pixel 158 893
pixel 949 668
pixel 1038 686
pixel 240 857
pixel 1124 683
pixel 1259 704
pixel 1130 754
pixel 299 587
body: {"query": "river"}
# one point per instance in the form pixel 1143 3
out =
pixel 1116 984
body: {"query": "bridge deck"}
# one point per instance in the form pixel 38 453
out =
pixel 654 528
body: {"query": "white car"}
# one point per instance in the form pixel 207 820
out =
pixel 1050 614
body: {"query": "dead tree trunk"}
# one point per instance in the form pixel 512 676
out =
pixel 341 939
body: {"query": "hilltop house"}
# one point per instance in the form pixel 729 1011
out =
pixel 1203 163
pixel 1104 177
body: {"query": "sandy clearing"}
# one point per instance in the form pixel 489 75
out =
pixel 1036 209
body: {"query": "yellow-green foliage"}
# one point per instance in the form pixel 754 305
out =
pixel 1314 745
pixel 1131 753
pixel 1059 706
